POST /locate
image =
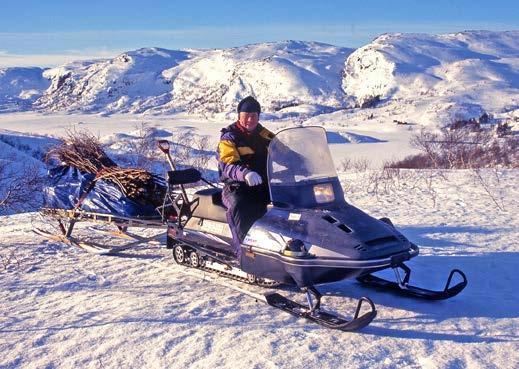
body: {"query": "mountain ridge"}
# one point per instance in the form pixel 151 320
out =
pixel 448 75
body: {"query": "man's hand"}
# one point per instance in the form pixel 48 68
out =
pixel 253 179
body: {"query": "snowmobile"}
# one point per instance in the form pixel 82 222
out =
pixel 309 235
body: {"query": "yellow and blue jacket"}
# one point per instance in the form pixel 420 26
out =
pixel 240 152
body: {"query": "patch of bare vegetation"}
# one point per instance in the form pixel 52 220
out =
pixel 19 186
pixel 191 150
pixel 482 153
pixel 462 149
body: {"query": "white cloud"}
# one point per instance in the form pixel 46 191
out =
pixel 50 60
pixel 50 49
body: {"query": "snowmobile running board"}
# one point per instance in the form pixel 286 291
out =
pixel 402 285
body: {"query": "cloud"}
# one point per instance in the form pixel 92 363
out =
pixel 48 49
pixel 51 60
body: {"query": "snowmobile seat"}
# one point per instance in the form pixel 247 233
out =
pixel 185 176
pixel 210 205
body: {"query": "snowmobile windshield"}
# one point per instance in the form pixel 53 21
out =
pixel 300 169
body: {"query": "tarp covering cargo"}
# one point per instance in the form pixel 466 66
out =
pixel 67 185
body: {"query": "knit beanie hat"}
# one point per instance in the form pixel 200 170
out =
pixel 249 105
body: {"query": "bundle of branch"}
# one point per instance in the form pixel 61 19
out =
pixel 136 184
pixel 83 151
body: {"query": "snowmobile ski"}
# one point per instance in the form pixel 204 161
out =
pixel 403 287
pixel 321 317
pixel 313 312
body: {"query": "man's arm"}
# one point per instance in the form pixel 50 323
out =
pixel 230 161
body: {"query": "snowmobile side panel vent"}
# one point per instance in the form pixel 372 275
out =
pixel 330 219
pixel 344 228
pixel 380 241
pixel 360 248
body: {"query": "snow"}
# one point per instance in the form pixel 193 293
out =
pixel 62 307
pixel 20 87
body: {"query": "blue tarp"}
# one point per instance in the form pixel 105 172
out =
pixel 67 184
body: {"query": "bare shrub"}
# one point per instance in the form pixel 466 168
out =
pixel 9 259
pixel 464 149
pixel 357 164
pixel 190 149
pixel 461 149
pixel 369 102
pixel 19 188
pixel 203 152
pixel 143 147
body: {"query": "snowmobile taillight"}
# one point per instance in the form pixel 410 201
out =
pixel 323 193
pixel 295 248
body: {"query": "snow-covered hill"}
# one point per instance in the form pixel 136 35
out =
pixel 449 76
pixel 20 87
pixel 131 82
pixel 429 79
pixel 280 75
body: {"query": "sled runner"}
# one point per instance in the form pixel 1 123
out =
pixel 65 221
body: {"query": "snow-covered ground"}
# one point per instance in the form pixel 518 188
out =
pixel 62 307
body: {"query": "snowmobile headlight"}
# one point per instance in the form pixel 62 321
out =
pixel 324 193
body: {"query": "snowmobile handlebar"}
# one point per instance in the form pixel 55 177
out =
pixel 163 146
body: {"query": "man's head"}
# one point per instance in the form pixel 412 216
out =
pixel 249 110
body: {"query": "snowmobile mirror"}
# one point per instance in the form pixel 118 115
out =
pixel 163 146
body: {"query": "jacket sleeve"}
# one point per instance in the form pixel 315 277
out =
pixel 229 160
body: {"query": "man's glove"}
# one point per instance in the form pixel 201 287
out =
pixel 253 179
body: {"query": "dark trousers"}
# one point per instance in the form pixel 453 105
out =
pixel 244 205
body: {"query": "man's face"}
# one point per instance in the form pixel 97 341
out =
pixel 249 121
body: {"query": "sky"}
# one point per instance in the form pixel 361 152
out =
pixel 52 32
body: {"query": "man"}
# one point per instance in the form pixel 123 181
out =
pixel 242 163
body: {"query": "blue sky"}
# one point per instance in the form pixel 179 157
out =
pixel 51 32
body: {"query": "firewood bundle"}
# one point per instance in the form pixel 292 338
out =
pixel 83 151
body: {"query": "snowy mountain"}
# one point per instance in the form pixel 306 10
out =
pixel 20 87
pixel 281 75
pixel 131 82
pixel 304 76
pixel 451 76
pixel 427 78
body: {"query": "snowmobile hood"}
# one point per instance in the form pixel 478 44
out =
pixel 343 232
